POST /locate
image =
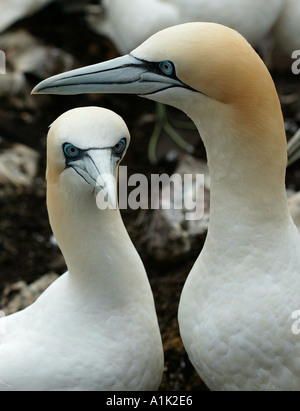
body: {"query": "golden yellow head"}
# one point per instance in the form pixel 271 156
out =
pixel 207 70
pixel 210 58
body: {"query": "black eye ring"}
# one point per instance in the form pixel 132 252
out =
pixel 120 147
pixel 166 67
pixel 71 151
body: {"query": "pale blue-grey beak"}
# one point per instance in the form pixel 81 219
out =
pixel 126 74
pixel 98 168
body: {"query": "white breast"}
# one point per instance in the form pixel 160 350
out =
pixel 63 342
pixel 235 315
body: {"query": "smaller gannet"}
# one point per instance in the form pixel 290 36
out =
pixel 239 308
pixel 95 327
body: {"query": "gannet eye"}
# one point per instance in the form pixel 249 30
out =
pixel 120 146
pixel 166 67
pixel 70 151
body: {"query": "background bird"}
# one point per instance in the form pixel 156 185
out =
pixel 141 18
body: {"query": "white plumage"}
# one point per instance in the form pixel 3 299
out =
pixel 237 308
pixel 251 18
pixel 128 23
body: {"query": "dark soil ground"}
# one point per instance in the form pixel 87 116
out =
pixel 26 252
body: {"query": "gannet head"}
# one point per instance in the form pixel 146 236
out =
pixel 204 58
pixel 84 148
pixel 207 70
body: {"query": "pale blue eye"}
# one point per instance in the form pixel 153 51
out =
pixel 71 151
pixel 166 67
pixel 120 146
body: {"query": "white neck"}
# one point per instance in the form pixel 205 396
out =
pixel 247 162
pixel 97 249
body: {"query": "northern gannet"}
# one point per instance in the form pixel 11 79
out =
pixel 95 327
pixel 237 308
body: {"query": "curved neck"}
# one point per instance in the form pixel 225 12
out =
pixel 97 249
pixel 246 151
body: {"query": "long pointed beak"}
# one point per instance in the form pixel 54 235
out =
pixel 126 74
pixel 98 167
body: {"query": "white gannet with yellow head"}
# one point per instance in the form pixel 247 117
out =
pixel 238 306
pixel 94 328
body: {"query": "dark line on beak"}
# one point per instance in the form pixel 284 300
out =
pixel 169 87
pixel 79 174
pixel 101 71
pixel 93 83
pixel 161 89
pixel 87 155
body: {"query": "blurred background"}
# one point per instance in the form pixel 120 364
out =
pixel 41 38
